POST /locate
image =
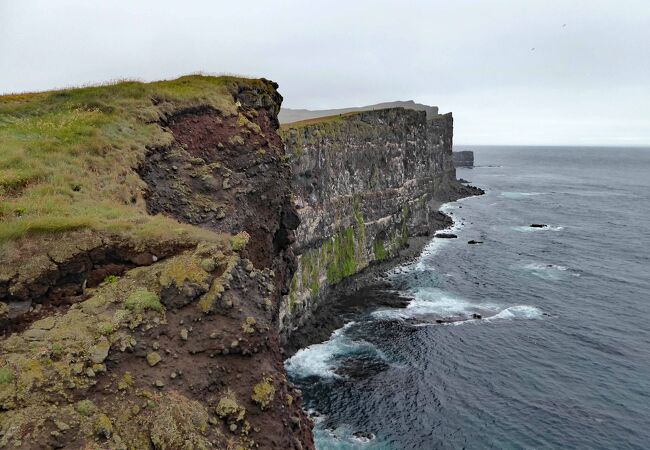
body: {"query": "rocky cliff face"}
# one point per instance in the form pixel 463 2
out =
pixel 153 324
pixel 364 183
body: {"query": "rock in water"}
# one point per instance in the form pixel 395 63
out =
pixel 446 236
pixel 538 225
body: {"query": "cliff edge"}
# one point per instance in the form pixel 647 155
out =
pixel 145 235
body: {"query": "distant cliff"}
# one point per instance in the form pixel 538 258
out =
pixel 288 115
pixel 363 184
pixel 463 158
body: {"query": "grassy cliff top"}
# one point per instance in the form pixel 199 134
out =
pixel 68 157
pixel 318 120
pixel 341 117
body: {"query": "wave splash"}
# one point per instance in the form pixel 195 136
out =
pixel 320 360
pixel 529 229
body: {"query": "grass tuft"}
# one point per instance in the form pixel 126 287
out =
pixel 142 300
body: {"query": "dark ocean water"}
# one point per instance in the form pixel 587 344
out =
pixel 561 358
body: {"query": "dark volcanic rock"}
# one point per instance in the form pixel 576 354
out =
pixel 538 225
pixel 474 242
pixel 446 236
pixel 364 184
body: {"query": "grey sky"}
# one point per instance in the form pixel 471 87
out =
pixel 586 83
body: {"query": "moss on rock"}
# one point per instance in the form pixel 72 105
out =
pixel 142 300
pixel 263 393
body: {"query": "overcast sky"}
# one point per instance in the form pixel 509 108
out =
pixel 512 71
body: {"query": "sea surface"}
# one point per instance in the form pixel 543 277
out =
pixel 561 356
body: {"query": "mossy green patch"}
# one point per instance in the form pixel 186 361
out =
pixel 110 279
pixel 229 409
pixel 6 376
pixel 379 250
pixel 86 407
pixel 263 393
pixel 184 268
pixel 248 326
pixel 103 426
pixel 142 300
pixel 239 241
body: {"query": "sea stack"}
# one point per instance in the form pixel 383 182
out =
pixel 463 159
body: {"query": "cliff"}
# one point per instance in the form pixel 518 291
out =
pixel 145 232
pixel 463 159
pixel 288 115
pixel 364 184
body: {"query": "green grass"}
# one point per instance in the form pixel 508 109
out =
pixel 317 120
pixel 142 300
pixel 68 157
pixel 5 375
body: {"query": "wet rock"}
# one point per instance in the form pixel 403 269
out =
pixel 445 236
pixel 363 436
pixel 474 242
pixel 538 225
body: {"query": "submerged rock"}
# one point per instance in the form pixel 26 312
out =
pixel 445 236
pixel 538 225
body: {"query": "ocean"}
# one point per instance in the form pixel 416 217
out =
pixel 561 355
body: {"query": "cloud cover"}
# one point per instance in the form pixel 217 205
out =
pixel 513 72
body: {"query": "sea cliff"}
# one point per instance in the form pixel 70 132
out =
pixel 148 269
pixel 364 183
pixel 145 250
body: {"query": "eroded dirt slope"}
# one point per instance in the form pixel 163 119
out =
pixel 170 345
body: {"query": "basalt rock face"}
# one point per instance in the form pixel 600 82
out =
pixel 364 183
pixel 173 344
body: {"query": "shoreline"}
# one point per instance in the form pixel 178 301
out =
pixel 370 287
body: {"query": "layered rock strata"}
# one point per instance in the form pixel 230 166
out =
pixel 364 183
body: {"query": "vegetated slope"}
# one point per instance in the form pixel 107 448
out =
pixel 145 232
pixel 288 115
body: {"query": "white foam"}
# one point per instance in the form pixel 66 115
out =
pixel 343 438
pixel 319 359
pixel 529 229
pixel 549 271
pixel 432 301
pixel 517 312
